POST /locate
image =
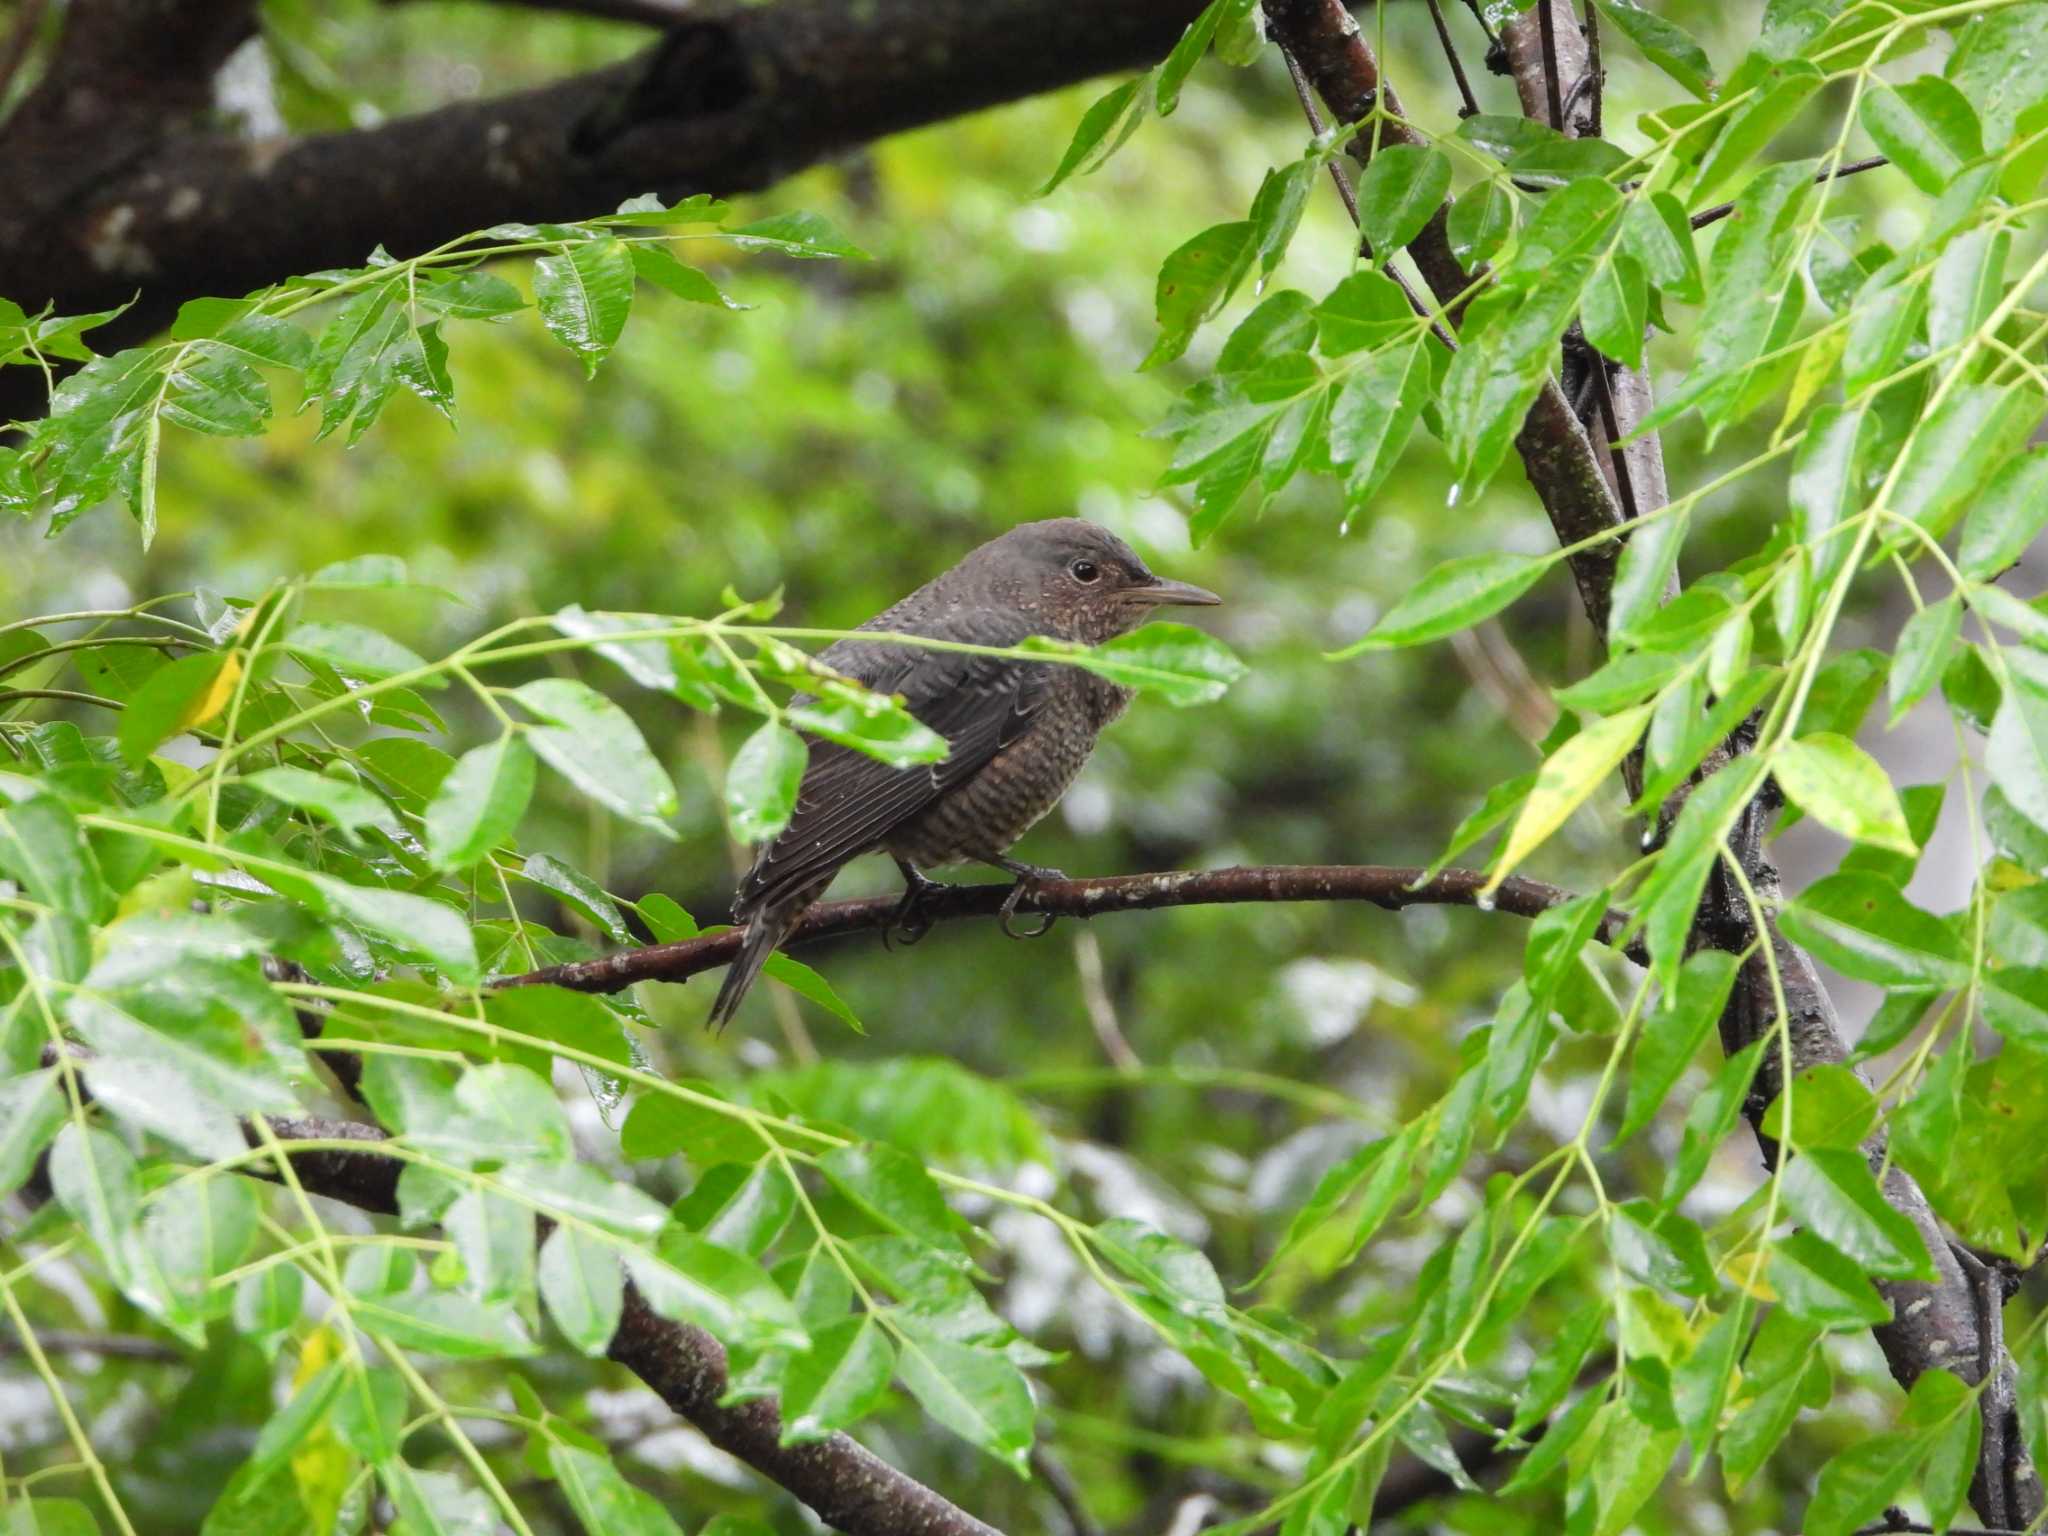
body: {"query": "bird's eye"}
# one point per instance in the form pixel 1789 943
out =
pixel 1085 570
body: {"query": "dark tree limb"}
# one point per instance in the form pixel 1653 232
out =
pixel 1558 456
pixel 847 1486
pixel 1720 211
pixel 134 190
pixel 1951 1324
pixel 643 13
pixel 1390 887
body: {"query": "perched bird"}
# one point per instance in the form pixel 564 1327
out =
pixel 1019 730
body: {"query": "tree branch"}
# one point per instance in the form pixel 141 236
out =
pixel 846 1485
pixel 134 191
pixel 1390 887
pixel 1557 454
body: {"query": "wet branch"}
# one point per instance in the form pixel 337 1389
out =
pixel 1390 887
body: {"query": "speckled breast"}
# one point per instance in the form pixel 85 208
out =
pixel 989 812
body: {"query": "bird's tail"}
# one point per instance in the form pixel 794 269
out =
pixel 764 930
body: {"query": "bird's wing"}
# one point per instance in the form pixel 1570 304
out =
pixel 849 803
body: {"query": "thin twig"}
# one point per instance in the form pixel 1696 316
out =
pixel 1443 35
pixel 1624 484
pixel 20 42
pixel 1594 70
pixel 1546 25
pixel 1389 887
pixel 1059 1482
pixel 1101 1011
pixel 1350 196
pixel 1721 211
pixel 120 1346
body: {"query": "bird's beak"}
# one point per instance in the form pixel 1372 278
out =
pixel 1174 594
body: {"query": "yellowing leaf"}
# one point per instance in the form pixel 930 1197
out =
pixel 1840 786
pixel 1567 777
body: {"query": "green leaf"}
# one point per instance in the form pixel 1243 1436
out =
pixel 43 849
pixel 1107 125
pixel 1861 926
pixel 1945 1412
pixel 348 805
pixel 806 236
pixel 480 802
pixel 1926 644
pixel 414 925
pixel 1454 596
pixel 1700 1385
pixel 184 1065
pixel 1195 282
pixel 1840 786
pixel 472 295
pixel 976 1393
pixel 1180 663
pixel 584 294
pixel 1859 1483
pixel 1832 1192
pixel 604 1502
pixel 173 699
pixel 1642 577
pixel 839 1382
pixel 1657 233
pixel 693 1280
pixel 1373 417
pixel 1830 1107
pixel 2006 518
pixel 1616 309
pixel 1968 283
pixel 1823 1287
pixel 657 266
pixel 738 1207
pixel 2016 753
pixel 1709 1121
pixel 893 1188
pixel 1774 101
pixel 806 982
pixel 1276 211
pixel 1953 452
pixel 1927 128
pixel 356 652
pixel 1365 311
pixel 446 1324
pixel 1565 781
pixel 595 745
pixel 871 723
pixel 1673 1034
pixel 1401 190
pixel 580 1281
pixel 1662 1249
pixel 762 781
pixel 580 892
pixel 1668 47
pixel 1187 53
pixel 1481 219
pixel 32 1107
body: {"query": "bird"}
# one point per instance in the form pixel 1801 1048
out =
pixel 1017 731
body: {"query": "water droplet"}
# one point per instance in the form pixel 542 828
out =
pixel 1457 490
pixel 1485 900
pixel 1649 838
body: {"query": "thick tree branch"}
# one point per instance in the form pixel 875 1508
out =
pixel 847 1486
pixel 1949 1325
pixel 135 191
pixel 1391 887
pixel 1558 456
pixel 1548 52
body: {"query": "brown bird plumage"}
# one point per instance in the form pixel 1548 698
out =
pixel 1019 730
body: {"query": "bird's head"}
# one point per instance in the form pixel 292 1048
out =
pixel 1083 581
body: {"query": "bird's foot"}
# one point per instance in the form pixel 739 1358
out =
pixel 908 924
pixel 1029 878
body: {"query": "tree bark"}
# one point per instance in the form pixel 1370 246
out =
pixel 133 194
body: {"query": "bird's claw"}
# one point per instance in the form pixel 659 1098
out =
pixel 1028 881
pixel 908 924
